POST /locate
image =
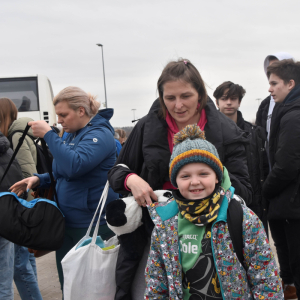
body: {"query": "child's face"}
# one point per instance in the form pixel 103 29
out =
pixel 196 180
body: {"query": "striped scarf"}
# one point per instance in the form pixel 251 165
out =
pixel 200 211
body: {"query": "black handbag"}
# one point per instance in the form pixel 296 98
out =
pixel 38 224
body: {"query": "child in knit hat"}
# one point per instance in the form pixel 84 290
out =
pixel 191 254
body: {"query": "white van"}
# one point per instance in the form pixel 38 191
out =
pixel 32 95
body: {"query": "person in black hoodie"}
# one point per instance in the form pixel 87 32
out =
pixel 7 248
pixel 228 99
pixel 264 113
pixel 143 163
pixel 281 187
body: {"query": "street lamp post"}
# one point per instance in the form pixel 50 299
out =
pixel 100 45
pixel 258 99
pixel 133 114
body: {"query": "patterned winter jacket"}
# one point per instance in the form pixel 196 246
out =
pixel 163 271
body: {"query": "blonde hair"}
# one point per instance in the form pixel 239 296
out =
pixel 8 114
pixel 76 97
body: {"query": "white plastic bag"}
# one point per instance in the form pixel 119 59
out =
pixel 89 271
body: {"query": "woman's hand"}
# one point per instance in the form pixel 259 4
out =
pixel 26 184
pixel 141 190
pixel 39 128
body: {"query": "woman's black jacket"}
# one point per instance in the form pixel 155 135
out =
pixel 15 173
pixel 281 187
pixel 146 151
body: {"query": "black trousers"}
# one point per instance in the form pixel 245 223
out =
pixel 286 236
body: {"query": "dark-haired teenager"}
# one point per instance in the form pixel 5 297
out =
pixel 228 99
pixel 264 113
pixel 281 187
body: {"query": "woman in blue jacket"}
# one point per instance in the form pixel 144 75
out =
pixel 80 164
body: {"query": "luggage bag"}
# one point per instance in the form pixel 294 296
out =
pixel 38 224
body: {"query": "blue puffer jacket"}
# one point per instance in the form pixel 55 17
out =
pixel 163 271
pixel 80 167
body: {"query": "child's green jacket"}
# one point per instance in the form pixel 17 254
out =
pixel 164 274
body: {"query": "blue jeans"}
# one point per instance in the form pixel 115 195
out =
pixel 6 269
pixel 26 275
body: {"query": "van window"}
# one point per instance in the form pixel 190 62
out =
pixel 23 92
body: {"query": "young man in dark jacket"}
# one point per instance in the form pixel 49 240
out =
pixel 264 113
pixel 281 187
pixel 228 99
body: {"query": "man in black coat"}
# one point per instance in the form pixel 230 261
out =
pixel 264 113
pixel 281 187
pixel 228 99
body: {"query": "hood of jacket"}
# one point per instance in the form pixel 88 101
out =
pixel 20 125
pixel 102 118
pixel 99 120
pixel 155 106
pixel 279 56
pixel 293 95
pixel 4 144
pixel 242 123
pixel 240 120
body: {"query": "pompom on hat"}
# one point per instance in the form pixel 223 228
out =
pixel 190 146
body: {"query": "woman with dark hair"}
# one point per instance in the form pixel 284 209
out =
pixel 143 163
pixel 25 272
pixel 80 164
pixel 6 247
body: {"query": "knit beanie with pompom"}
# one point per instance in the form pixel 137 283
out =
pixel 190 146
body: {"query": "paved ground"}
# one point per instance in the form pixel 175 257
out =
pixel 48 278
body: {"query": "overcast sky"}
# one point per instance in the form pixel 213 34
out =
pixel 225 40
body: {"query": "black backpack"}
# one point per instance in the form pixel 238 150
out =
pixel 235 227
pixel 41 165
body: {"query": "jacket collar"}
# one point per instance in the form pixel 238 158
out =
pixel 240 120
pixel 213 130
pixel 293 95
pixel 171 209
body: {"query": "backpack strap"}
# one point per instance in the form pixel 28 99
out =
pixel 21 140
pixel 235 227
pixel 49 165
